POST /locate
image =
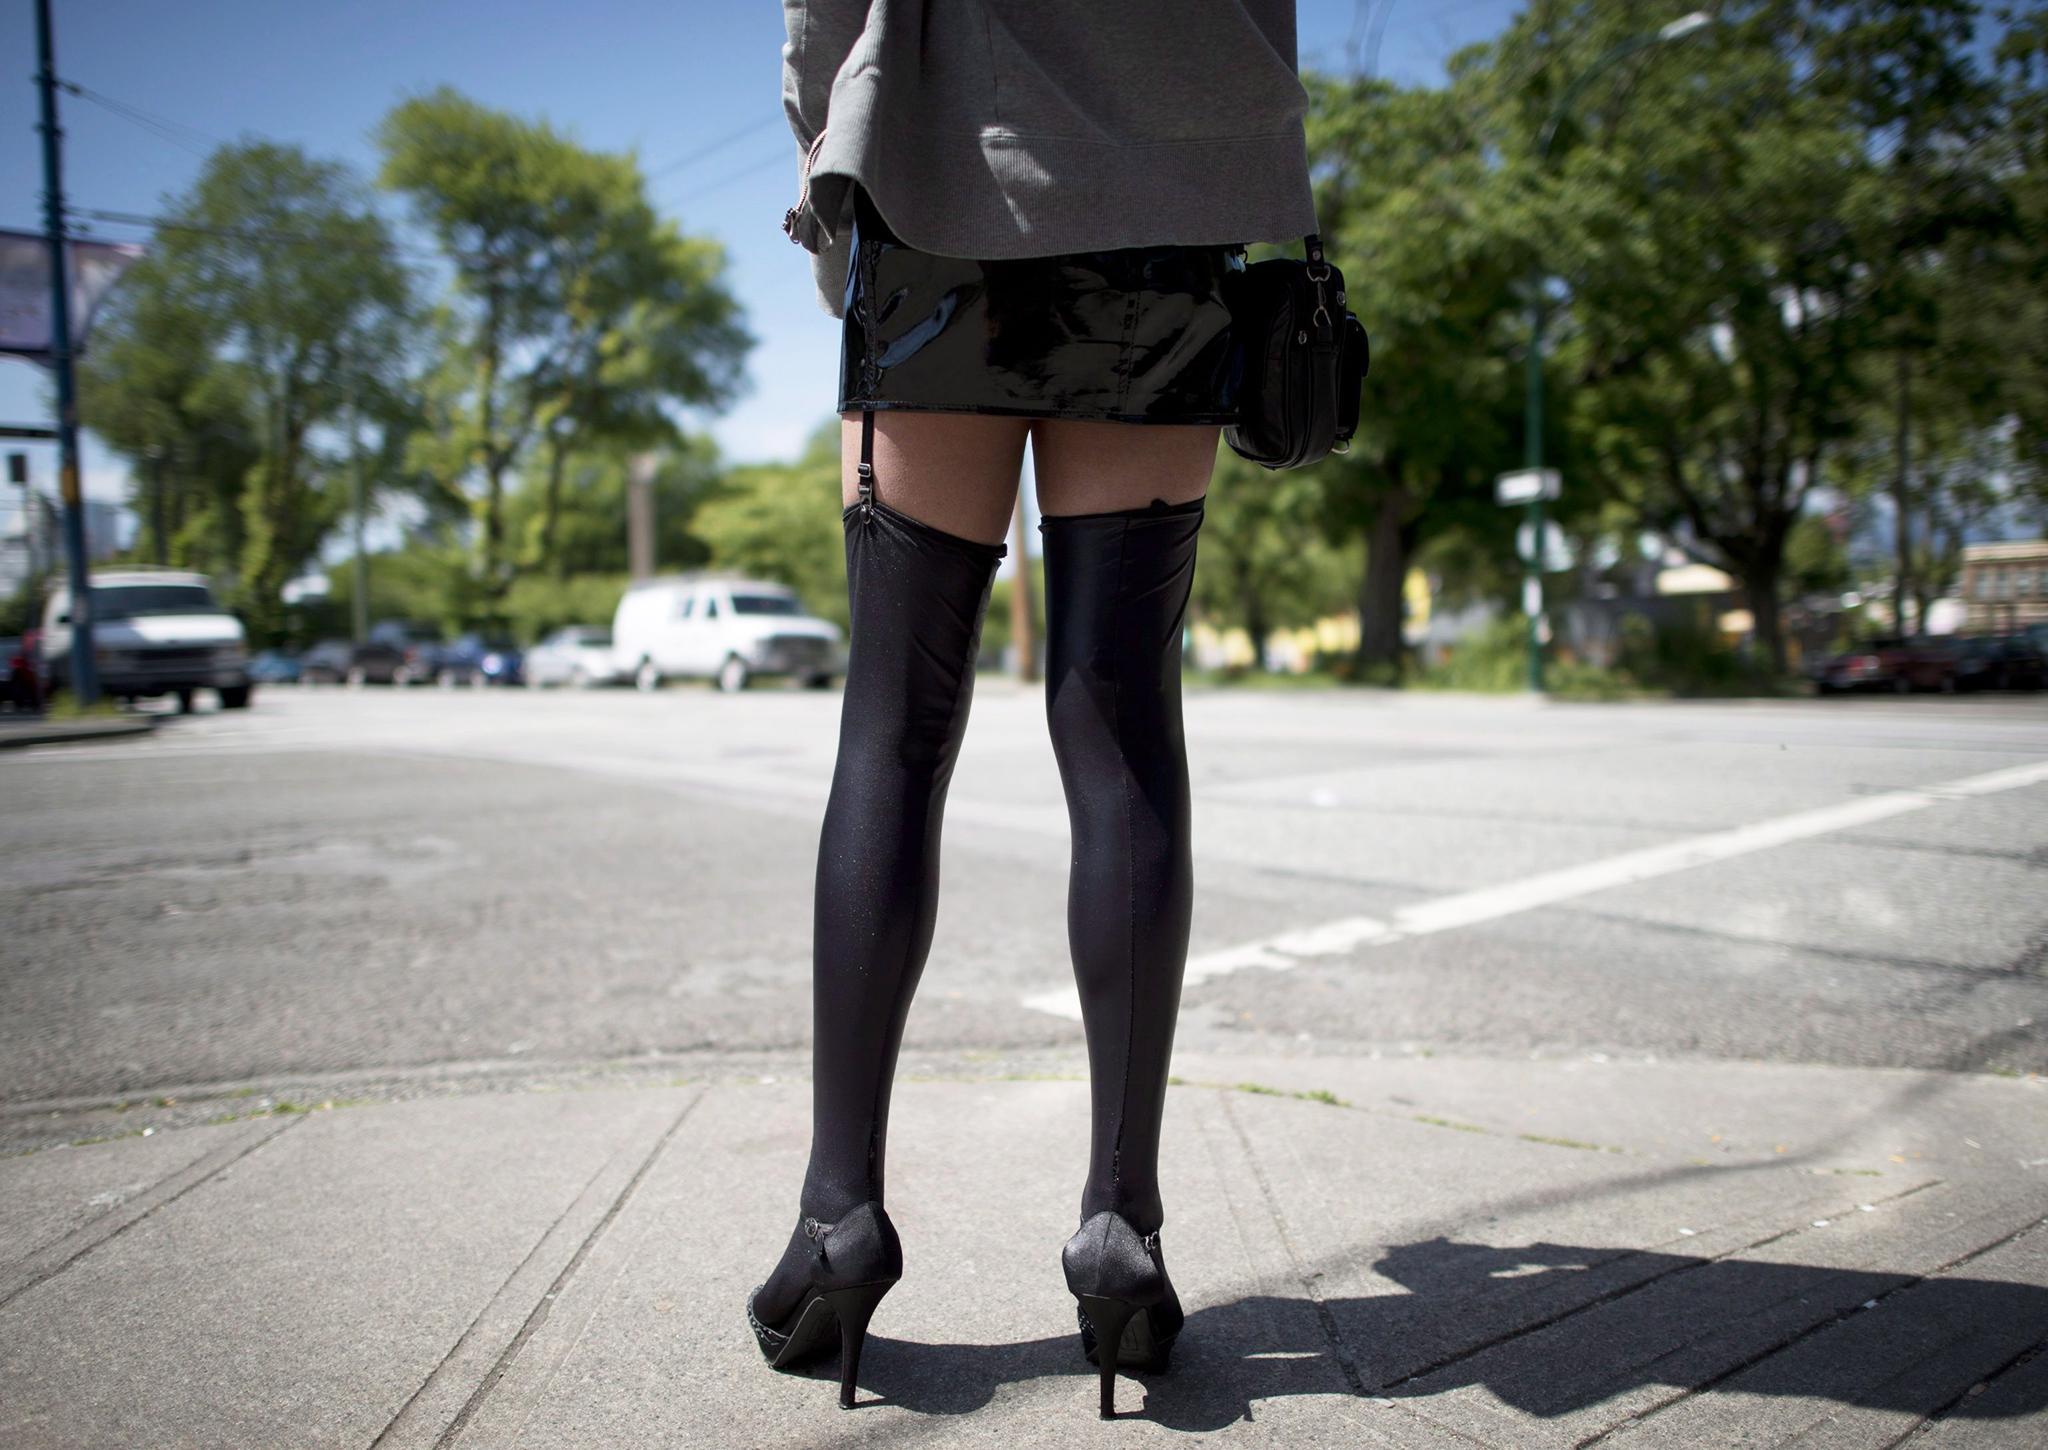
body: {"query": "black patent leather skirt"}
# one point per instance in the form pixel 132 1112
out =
pixel 1135 335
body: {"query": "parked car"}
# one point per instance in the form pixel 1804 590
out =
pixel 1952 663
pixel 21 680
pixel 419 648
pixel 344 662
pixel 155 632
pixel 579 654
pixel 1860 668
pixel 1875 664
pixel 274 667
pixel 479 659
pixel 1946 663
pixel 723 628
pixel 1995 662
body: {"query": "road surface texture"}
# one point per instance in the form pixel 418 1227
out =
pixel 426 1067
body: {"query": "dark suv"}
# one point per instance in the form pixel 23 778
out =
pixel 418 646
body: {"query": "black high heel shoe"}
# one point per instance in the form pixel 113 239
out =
pixel 1129 1313
pixel 854 1262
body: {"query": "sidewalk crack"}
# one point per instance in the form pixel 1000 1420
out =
pixel 95 1239
pixel 1324 1313
pixel 1942 1411
pixel 1688 1266
pixel 538 1315
pixel 1905 1285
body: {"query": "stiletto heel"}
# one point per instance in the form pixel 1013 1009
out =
pixel 1109 1317
pixel 1128 1311
pixel 853 1308
pixel 854 1262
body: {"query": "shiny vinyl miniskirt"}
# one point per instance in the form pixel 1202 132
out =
pixel 1134 335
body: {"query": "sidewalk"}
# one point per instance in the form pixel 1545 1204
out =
pixel 1372 1253
pixel 18 730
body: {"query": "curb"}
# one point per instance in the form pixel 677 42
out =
pixel 54 733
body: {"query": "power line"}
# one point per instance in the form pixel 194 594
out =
pixel 714 147
pixel 750 169
pixel 1379 35
pixel 247 234
pixel 185 138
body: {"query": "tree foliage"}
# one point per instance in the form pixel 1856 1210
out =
pixel 575 314
pixel 1407 201
pixel 264 302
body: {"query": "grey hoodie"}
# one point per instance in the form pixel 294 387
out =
pixel 1022 128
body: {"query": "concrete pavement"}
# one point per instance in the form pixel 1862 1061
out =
pixel 1394 1252
pixel 426 1068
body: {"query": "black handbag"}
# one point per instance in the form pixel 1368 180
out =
pixel 1304 357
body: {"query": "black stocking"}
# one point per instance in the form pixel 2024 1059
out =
pixel 918 597
pixel 1117 589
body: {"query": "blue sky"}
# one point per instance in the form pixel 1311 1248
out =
pixel 664 79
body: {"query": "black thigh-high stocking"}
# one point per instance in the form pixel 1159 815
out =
pixel 918 598
pixel 1117 588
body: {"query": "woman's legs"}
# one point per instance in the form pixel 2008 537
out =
pixel 919 570
pixel 954 471
pixel 1120 510
pixel 1084 468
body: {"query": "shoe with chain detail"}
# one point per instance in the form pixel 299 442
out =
pixel 1128 1311
pixel 854 1262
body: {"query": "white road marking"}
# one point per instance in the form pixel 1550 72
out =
pixel 1489 903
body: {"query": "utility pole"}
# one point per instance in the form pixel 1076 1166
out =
pixel 17 474
pixel 1532 579
pixel 1536 483
pixel 361 591
pixel 1021 631
pixel 85 680
pixel 159 528
pixel 640 471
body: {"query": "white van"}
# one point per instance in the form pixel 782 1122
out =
pixel 155 631
pixel 722 627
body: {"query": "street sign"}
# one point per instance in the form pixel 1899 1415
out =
pixel 1527 486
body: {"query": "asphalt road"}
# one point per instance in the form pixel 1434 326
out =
pixel 340 882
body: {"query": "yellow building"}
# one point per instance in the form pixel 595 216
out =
pixel 2005 586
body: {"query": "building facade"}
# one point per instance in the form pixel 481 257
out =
pixel 2005 586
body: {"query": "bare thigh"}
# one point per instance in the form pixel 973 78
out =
pixel 1087 468
pixel 957 472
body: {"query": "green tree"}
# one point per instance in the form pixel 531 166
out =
pixel 1709 213
pixel 782 522
pixel 1405 196
pixel 575 313
pixel 2012 281
pixel 150 390
pixel 267 298
pixel 1906 72
pixel 586 497
pixel 657 330
pixel 1266 560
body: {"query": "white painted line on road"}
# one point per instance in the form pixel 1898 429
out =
pixel 1489 903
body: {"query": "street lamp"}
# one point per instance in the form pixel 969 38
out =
pixel 1536 484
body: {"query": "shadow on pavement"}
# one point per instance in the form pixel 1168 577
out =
pixel 1522 1324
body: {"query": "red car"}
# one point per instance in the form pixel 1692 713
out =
pixel 21 684
pixel 1877 664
